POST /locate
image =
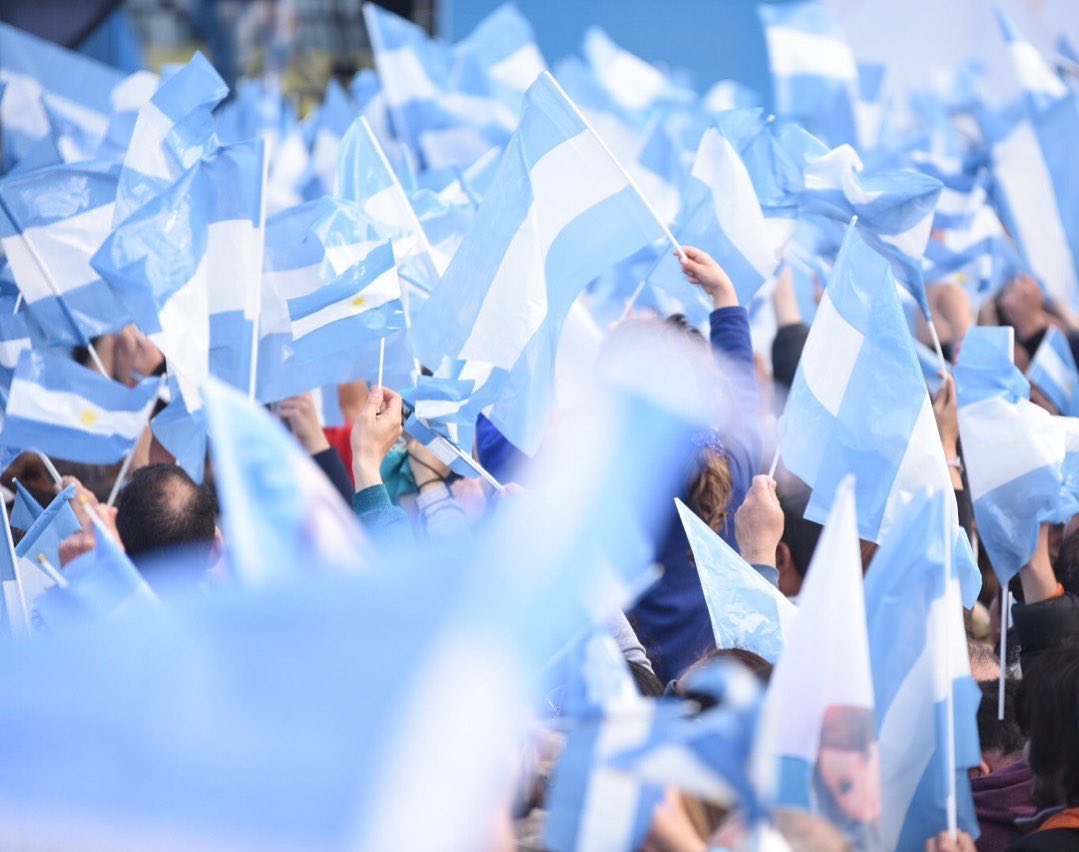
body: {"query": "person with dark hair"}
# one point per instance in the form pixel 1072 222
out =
pixel 799 540
pixel 1048 713
pixel 161 507
pixel 1001 784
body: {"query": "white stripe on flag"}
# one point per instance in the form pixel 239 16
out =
pixel 567 181
pixel 829 356
pixel 520 69
pixel 792 52
pixel 232 258
pixel 148 157
pixel 34 402
pixel 923 466
pixel 407 78
pixel 1022 171
pixel 1048 359
pixel 383 289
pixel 66 246
pixel 10 350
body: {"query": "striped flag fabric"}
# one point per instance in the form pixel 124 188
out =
pixel 560 211
pixel 67 411
pixel 1040 84
pixel 1053 371
pixel 52 221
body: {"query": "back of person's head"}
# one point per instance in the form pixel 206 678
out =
pixel 161 507
pixel 1002 740
pixel 1066 566
pixel 984 663
pixel 1048 715
pixel 799 539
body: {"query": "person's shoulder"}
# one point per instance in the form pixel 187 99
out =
pixel 1051 840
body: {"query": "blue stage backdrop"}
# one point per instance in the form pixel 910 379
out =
pixel 685 33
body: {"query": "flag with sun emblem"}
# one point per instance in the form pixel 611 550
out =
pixel 66 411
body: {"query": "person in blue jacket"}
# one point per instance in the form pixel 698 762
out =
pixel 671 618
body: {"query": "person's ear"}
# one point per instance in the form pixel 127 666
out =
pixel 217 551
pixel 790 581
pixel 981 770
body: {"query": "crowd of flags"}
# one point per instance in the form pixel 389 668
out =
pixel 448 223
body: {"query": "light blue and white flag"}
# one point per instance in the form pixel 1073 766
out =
pixel 859 403
pixel 871 107
pixel 1014 450
pixel 26 509
pixel 304 269
pixel 51 222
pixel 182 433
pixel 336 113
pixel 921 675
pixel 173 131
pixel 746 610
pixel 67 411
pixel 608 716
pixel 814 73
pixel 1040 84
pixel 1034 167
pixel 101 584
pixel 281 515
pixel 633 84
pixel 188 266
pixel 1053 371
pixel 14 339
pixel 707 755
pixel 503 47
pixel 443 419
pixel 561 210
pixel 894 208
pixel 13 608
pixel 56 522
pixel 817 732
pixel 38 74
pixel 721 215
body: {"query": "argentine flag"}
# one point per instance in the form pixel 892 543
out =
pixel 52 221
pixel 67 411
pixel 188 267
pixel 14 339
pixel 721 215
pixel 1053 371
pixel 504 49
pixel 814 73
pixel 173 131
pixel 817 728
pixel 921 674
pixel 746 610
pixel 1041 85
pixel 37 77
pixel 1014 450
pixel 561 211
pixel 15 615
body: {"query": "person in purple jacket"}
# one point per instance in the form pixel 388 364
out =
pixel 671 618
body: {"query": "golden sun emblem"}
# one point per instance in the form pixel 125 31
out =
pixel 88 417
pixel 358 301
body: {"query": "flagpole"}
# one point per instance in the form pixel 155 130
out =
pixel 126 466
pixel 44 270
pixel 381 359
pixel 774 465
pixel 1005 606
pixel 648 205
pixel 58 480
pixel 936 343
pixel 949 723
pixel 51 572
pixel 253 377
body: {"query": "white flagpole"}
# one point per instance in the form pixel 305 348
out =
pixel 126 466
pixel 945 652
pixel 51 572
pixel 666 231
pixel 1005 608
pixel 381 359
pixel 58 480
pixel 774 465
pixel 936 344
pixel 252 378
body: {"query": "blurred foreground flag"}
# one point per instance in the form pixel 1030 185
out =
pixel 16 616
pixel 1040 84
pixel 67 411
pixel 1053 370
pixel 814 72
pixel 818 730
pixel 1014 450
pixel 746 610
pixel 918 648
pixel 281 515
pixel 100 584
pixel 561 210
pixel 52 221
pixel 25 510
